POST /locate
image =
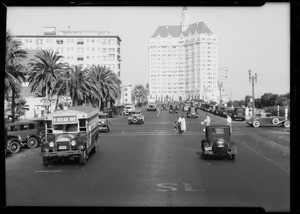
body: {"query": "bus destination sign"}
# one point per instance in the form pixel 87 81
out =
pixel 65 119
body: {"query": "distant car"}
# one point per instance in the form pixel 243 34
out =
pixel 267 119
pixel 136 117
pixel 29 131
pixel 103 122
pixel 218 142
pixel 164 106
pixel 128 109
pixel 173 109
pixel 192 112
pixel 151 107
pixel 186 107
pixel 238 113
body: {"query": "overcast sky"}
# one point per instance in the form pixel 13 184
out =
pixel 255 38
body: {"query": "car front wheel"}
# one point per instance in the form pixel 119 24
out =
pixel 286 124
pixel 14 147
pixel 256 123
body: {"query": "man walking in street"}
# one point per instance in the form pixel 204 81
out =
pixel 183 124
pixel 206 122
pixel 229 123
pixel 158 111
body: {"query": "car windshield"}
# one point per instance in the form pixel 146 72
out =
pixel 218 130
pixel 136 112
pixel 128 107
pixel 66 127
pixel 102 116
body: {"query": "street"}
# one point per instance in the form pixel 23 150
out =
pixel 149 165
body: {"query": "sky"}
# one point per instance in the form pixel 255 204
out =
pixel 250 38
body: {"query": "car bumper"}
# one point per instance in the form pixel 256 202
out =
pixel 73 153
pixel 136 121
pixel 103 128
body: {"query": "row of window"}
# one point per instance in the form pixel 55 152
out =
pixel 79 41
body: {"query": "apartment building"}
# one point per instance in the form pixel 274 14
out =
pixel 183 62
pixel 84 48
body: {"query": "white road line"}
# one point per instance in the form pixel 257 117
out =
pixel 48 171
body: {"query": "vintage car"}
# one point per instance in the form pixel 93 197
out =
pixel 151 107
pixel 13 144
pixel 238 113
pixel 173 109
pixel 267 119
pixel 217 142
pixel 28 130
pixel 128 108
pixel 164 106
pixel 192 112
pixel 186 107
pixel 136 117
pixel 103 121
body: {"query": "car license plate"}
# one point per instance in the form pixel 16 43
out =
pixel 62 147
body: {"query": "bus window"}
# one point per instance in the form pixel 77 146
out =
pixel 71 128
pixel 82 125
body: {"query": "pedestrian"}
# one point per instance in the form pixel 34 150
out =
pixel 183 124
pixel 229 123
pixel 158 111
pixel 206 122
pixel 176 127
pixel 179 123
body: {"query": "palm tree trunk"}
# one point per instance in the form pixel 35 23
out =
pixel 13 104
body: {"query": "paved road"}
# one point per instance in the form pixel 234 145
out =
pixel 149 165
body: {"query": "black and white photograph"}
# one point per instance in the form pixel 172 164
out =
pixel 148 106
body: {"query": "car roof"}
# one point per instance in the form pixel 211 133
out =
pixel 21 122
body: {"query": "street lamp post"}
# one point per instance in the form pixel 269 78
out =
pixel 251 80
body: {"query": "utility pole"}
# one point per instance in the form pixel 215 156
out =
pixel 220 85
pixel 251 80
pixel 67 78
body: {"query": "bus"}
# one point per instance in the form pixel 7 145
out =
pixel 71 134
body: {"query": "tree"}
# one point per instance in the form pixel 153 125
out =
pixel 247 100
pixel 139 92
pixel 108 85
pixel 266 99
pixel 14 69
pixel 44 70
pixel 76 82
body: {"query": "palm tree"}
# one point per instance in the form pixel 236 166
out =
pixel 44 71
pixel 107 82
pixel 78 86
pixel 139 91
pixel 14 70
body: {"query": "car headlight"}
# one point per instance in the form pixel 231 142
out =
pixel 19 138
pixel 73 143
pixel 51 144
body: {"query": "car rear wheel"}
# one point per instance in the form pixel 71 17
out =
pixel 256 123
pixel 14 147
pixel 32 142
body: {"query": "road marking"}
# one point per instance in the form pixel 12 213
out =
pixel 167 187
pixel 48 171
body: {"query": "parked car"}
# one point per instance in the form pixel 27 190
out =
pixel 192 112
pixel 28 130
pixel 218 142
pixel 103 121
pixel 164 106
pixel 267 119
pixel 136 117
pixel 128 109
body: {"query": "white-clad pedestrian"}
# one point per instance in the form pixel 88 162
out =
pixel 183 124
pixel 206 122
pixel 229 120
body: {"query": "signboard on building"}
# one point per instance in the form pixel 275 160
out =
pixel 50 31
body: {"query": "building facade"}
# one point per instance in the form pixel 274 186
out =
pixel 126 95
pixel 84 48
pixel 183 62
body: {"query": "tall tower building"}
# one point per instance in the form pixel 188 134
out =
pixel 183 62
